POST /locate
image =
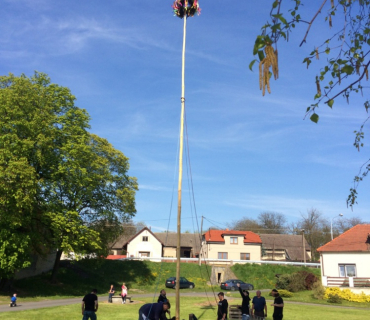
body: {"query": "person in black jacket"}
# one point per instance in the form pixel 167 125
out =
pixel 245 303
pixel 163 298
pixel 223 306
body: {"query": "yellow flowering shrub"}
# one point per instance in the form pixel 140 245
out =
pixel 347 294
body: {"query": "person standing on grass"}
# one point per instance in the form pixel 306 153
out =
pixel 259 307
pixel 163 298
pixel 278 305
pixel 124 293
pixel 245 302
pixel 90 305
pixel 111 293
pixel 222 307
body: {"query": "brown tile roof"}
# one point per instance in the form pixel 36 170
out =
pixel 356 239
pixel 190 240
pixel 291 243
pixel 218 236
pixel 121 240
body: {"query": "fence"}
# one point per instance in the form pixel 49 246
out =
pixel 224 261
pixel 348 282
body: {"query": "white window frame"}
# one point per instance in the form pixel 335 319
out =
pixel 343 267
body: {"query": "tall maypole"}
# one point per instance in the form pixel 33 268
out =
pixel 182 9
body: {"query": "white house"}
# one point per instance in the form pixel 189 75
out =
pixel 231 245
pixel 143 244
pixel 345 260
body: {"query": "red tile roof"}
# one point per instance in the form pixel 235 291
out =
pixel 115 257
pixel 355 239
pixel 218 236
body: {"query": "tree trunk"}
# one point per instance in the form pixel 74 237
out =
pixel 53 278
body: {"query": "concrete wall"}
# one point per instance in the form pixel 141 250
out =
pixel 330 263
pixel 169 252
pixel 137 246
pixel 233 250
pixel 38 266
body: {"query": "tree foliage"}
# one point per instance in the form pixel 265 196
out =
pixel 346 52
pixel 266 222
pixel 61 187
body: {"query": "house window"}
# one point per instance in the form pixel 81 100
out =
pixel 222 255
pixel 144 254
pixel 347 270
pixel 145 238
pixel 234 240
pixel 245 256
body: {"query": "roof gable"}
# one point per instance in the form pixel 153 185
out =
pixel 138 234
pixel 218 236
pixel 355 239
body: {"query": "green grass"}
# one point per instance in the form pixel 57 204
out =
pixel 263 276
pixel 306 297
pixel 199 306
pixel 79 278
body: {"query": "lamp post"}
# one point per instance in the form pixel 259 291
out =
pixel 331 224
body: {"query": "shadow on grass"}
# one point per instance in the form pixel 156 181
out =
pixel 76 278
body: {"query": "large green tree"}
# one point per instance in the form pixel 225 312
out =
pixel 61 187
pixel 346 51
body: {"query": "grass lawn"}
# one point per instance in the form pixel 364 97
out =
pixel 306 296
pixel 199 306
pixel 78 278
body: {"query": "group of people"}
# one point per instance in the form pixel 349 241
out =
pixel 160 309
pixel 123 293
pixel 259 306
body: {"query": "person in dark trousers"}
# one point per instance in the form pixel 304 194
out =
pixel 13 300
pixel 111 293
pixel 222 307
pixel 163 298
pixel 278 305
pixel 259 307
pixel 245 302
pixel 154 311
pixel 90 305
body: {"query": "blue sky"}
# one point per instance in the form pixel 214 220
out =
pixel 248 153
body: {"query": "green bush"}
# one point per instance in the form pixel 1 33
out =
pixel 283 282
pixel 297 282
pixel 334 298
pixel 318 290
pixel 284 293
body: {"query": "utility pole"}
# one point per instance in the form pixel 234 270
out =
pixel 201 242
pixel 304 247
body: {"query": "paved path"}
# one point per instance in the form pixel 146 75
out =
pixel 62 302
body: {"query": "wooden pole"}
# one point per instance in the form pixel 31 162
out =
pixel 201 241
pixel 180 177
pixel 304 247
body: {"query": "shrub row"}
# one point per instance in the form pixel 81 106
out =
pixel 298 281
pixel 346 294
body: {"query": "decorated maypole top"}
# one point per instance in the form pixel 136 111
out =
pixel 188 8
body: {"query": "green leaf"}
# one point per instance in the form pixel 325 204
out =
pixel 261 55
pixel 330 103
pixel 348 69
pixel 314 118
pixel 251 64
